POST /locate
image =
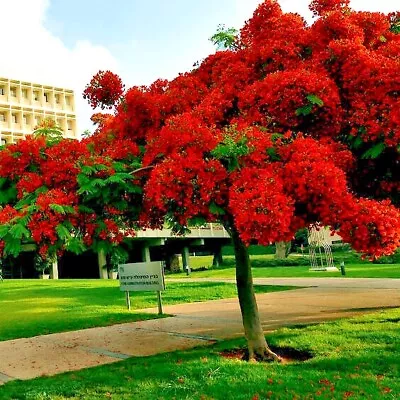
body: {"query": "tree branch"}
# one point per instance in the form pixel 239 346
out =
pixel 141 169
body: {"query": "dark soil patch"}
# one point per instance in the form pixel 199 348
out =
pixel 286 354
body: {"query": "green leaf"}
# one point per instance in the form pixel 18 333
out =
pixel 358 142
pixel 375 151
pixel 18 231
pixel 305 110
pixel 273 154
pixel 62 209
pixel 75 246
pixel 216 210
pixel 62 232
pixel 12 247
pixel 87 170
pixel 100 167
pixel 85 209
pixel 4 230
pixel 313 99
pixel 99 182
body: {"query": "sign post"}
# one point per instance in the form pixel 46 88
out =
pixel 160 311
pixel 142 277
pixel 128 301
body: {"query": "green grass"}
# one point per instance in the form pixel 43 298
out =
pixel 263 269
pixel 37 307
pixel 356 359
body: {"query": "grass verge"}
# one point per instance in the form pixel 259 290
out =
pixel 352 359
pixel 263 269
pixel 36 307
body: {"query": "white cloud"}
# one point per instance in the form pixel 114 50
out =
pixel 30 52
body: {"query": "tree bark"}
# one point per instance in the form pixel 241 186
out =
pixel 257 345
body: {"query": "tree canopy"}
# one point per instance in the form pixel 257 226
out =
pixel 294 125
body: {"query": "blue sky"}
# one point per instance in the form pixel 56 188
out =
pixel 150 39
pixel 65 42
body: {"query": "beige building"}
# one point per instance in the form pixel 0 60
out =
pixel 23 105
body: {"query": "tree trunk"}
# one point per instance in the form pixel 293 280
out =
pixel 257 345
pixel 282 250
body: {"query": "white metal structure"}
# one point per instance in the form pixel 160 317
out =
pixel 319 242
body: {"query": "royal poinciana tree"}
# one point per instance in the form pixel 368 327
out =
pixel 292 125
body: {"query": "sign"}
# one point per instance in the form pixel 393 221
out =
pixel 141 277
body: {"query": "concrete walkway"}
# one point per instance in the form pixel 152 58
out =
pixel 367 283
pixel 192 325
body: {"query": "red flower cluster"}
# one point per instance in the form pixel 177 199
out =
pixel 262 210
pixel 104 90
pixel 322 7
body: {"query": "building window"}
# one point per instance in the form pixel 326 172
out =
pixel 35 95
pixel 3 142
pixel 2 117
pixel 69 125
pixel 1 90
pixel 24 93
pixel 13 92
pixel 14 118
pixel 46 97
pixel 67 100
pixel 57 98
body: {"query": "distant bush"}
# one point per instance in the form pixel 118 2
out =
pixel 254 250
pixel 394 259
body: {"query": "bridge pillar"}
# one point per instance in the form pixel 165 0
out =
pixel 186 259
pixel 146 253
pixel 54 269
pixel 102 261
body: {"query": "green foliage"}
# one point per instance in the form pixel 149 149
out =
pixel 315 100
pixel 18 231
pixel 375 151
pixel 62 209
pixel 225 38
pixel 253 250
pixel 118 255
pixel 8 192
pixel 63 233
pixel 50 130
pixel 75 245
pixel 395 26
pixel 232 147
pixel 307 109
pixel 216 210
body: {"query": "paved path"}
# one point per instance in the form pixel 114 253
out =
pixel 192 325
pixel 368 283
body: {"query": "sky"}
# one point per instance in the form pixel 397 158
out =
pixel 65 42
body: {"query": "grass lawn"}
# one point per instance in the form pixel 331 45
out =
pixel 353 359
pixel 37 307
pixel 353 270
